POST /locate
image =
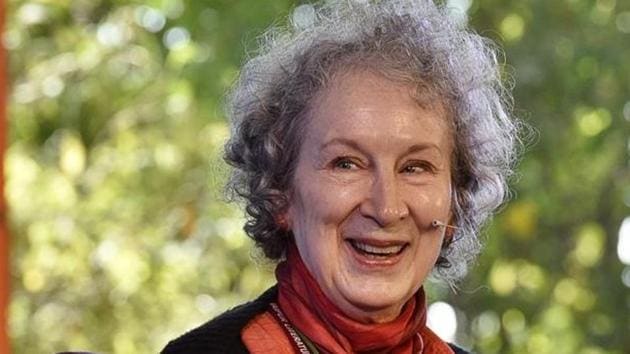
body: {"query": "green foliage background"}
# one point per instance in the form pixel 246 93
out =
pixel 121 240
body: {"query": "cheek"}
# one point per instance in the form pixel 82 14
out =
pixel 315 216
pixel 318 205
pixel 432 202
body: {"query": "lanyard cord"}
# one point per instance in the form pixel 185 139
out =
pixel 300 342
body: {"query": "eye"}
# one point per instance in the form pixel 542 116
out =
pixel 413 169
pixel 345 163
pixel 417 167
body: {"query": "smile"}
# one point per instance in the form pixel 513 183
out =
pixel 378 251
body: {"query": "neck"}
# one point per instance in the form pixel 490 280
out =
pixel 354 329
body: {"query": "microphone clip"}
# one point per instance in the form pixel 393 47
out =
pixel 438 223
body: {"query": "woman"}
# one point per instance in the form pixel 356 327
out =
pixel 370 143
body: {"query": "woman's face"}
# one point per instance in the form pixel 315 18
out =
pixel 372 174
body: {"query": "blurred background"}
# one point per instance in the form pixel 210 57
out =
pixel 121 239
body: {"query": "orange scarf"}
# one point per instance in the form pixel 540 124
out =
pixel 314 315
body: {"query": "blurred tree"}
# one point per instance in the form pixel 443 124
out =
pixel 555 280
pixel 4 236
pixel 114 175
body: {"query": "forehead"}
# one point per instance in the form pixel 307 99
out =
pixel 364 104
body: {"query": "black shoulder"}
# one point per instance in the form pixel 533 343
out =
pixel 223 333
pixel 458 350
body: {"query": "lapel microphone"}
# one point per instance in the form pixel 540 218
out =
pixel 438 223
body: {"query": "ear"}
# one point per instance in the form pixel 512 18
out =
pixel 286 215
pixel 448 235
pixel 450 232
pixel 282 220
pixel 281 210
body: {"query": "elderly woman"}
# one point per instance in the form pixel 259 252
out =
pixel 370 143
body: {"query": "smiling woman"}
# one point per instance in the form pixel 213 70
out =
pixel 372 173
pixel 370 143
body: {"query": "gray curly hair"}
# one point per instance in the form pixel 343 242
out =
pixel 412 41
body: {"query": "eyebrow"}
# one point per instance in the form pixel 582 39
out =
pixel 423 147
pixel 341 141
pixel 353 144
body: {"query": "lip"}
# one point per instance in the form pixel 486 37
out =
pixel 377 242
pixel 371 263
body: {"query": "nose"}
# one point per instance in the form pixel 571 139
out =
pixel 384 203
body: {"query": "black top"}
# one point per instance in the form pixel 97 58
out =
pixel 223 334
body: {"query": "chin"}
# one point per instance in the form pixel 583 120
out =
pixel 376 303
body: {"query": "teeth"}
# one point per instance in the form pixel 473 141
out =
pixel 386 251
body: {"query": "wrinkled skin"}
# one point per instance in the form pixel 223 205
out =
pixel 374 169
